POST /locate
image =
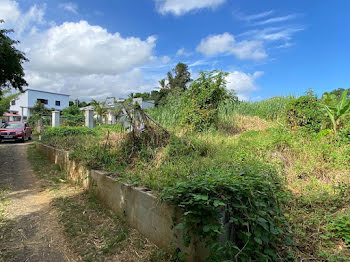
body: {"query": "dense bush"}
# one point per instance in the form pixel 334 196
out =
pixel 240 207
pixel 304 112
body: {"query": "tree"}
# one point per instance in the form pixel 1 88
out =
pixel 78 103
pixel 180 79
pixel 5 101
pixel 163 84
pixel 100 108
pixel 40 109
pixel 11 60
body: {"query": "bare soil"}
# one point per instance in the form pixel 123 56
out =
pixel 30 230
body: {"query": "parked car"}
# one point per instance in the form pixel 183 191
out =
pixel 15 131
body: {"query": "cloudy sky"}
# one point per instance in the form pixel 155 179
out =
pixel 94 49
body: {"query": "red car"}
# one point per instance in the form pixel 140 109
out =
pixel 15 131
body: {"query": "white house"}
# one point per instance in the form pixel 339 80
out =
pixel 24 103
pixel 143 104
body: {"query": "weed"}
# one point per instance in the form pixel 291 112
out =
pixel 341 226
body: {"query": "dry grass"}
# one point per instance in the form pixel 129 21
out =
pixel 237 124
pixel 96 234
pixel 247 123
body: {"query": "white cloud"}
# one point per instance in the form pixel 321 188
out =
pixel 263 18
pixel 96 86
pixel 183 52
pixel 180 7
pixel 281 35
pixel 276 19
pixel 273 33
pixel 9 11
pixel 87 61
pixel 82 60
pixel 165 59
pixel 200 63
pixel 69 6
pixel 244 17
pixel 226 44
pixel 243 83
pixel 80 48
pixel 180 52
pixel 14 18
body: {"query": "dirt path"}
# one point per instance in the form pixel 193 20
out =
pixel 30 230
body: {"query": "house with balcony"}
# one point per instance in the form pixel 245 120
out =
pixel 23 105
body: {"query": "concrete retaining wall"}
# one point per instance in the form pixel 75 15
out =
pixel 143 211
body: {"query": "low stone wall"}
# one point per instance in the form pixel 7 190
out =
pixel 143 211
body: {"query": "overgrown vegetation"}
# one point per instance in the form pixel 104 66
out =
pixel 93 232
pixel 72 116
pixel 279 191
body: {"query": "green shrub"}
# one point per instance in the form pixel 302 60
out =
pixel 96 156
pixel 72 116
pixel 304 112
pixel 185 147
pixel 247 202
pixel 64 131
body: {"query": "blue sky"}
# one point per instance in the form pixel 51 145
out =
pixel 94 49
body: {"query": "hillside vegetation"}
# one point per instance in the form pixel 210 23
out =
pixel 275 173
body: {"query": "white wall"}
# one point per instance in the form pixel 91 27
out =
pixel 29 98
pixel 22 100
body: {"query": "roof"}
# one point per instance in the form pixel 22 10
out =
pixel 11 114
pixel 45 92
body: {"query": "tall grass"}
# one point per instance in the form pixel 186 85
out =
pixel 270 109
pixel 170 114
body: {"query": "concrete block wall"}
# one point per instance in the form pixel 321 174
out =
pixel 143 211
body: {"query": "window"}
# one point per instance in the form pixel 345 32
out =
pixel 13 102
pixel 43 101
pixel 58 103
